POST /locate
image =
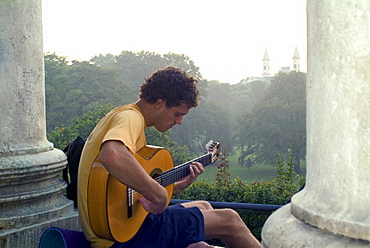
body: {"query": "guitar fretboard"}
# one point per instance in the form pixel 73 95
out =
pixel 171 176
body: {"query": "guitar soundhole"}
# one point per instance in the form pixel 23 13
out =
pixel 155 174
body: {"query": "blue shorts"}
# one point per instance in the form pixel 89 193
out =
pixel 176 227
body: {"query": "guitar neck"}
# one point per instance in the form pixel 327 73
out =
pixel 173 175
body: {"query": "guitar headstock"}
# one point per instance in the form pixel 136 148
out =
pixel 213 148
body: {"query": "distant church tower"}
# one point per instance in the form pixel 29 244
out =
pixel 296 64
pixel 266 65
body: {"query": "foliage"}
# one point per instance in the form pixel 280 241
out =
pixel 276 191
pixel 74 88
pixel 258 117
pixel 277 120
pixel 238 98
pixel 208 121
pixel 134 67
pixel 223 175
pixel 180 154
pixel 233 100
pixel 80 126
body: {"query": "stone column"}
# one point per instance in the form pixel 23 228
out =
pixel 31 191
pixel 334 208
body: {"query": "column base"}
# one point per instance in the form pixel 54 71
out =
pixel 31 190
pixel 283 230
pixel 29 236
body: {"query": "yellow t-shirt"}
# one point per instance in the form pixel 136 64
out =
pixel 125 123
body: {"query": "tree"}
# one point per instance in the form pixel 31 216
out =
pixel 180 154
pixel 80 126
pixel 237 99
pixel 74 88
pixel 276 122
pixel 208 121
pixel 77 87
pixel 134 67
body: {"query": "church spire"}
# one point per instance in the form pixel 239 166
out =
pixel 296 61
pixel 266 65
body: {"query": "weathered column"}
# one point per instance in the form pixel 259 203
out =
pixel 30 189
pixel 334 208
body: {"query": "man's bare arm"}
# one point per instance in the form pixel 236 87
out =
pixel 120 163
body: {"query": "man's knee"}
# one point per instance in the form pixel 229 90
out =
pixel 204 205
pixel 231 218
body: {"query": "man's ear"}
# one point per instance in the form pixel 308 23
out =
pixel 160 103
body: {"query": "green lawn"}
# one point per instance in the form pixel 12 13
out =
pixel 255 173
pixel 258 172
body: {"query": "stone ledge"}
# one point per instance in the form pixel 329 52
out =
pixel 283 230
pixel 29 237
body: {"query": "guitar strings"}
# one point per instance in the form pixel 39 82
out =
pixel 169 177
pixel 173 175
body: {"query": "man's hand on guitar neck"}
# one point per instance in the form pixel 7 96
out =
pixel 195 170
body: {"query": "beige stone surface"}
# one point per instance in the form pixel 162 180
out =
pixel 31 192
pixel 283 230
pixel 335 202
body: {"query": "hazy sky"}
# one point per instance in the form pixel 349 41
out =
pixel 226 39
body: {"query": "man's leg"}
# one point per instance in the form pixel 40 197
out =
pixel 202 205
pixel 225 224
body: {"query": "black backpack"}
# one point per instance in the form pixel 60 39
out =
pixel 73 152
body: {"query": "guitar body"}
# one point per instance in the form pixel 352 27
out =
pixel 114 210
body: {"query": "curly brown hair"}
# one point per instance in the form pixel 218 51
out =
pixel 172 85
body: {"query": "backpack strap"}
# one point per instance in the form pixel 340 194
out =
pixel 70 173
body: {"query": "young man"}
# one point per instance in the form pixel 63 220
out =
pixel 165 98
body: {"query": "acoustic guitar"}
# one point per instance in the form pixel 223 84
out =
pixel 114 210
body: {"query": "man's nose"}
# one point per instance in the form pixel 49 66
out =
pixel 178 120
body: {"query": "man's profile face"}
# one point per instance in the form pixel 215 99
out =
pixel 169 117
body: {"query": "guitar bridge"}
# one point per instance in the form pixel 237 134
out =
pixel 130 202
